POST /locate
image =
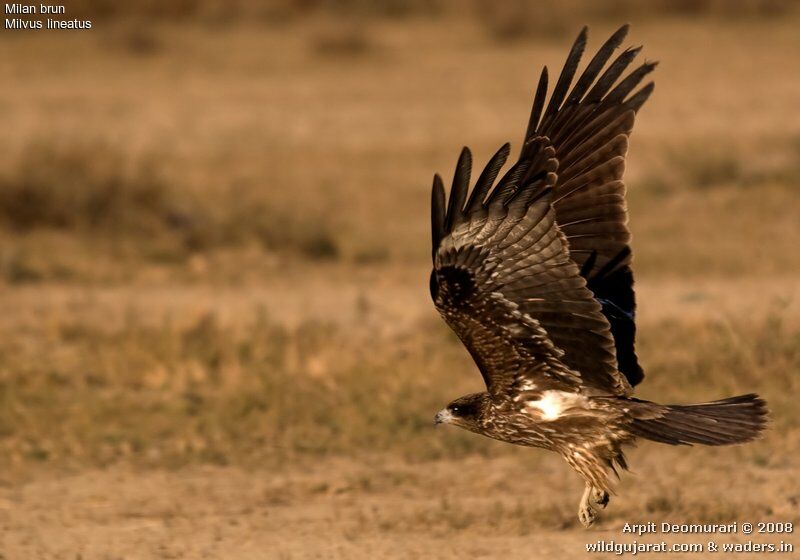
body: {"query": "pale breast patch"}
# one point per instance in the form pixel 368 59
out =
pixel 554 404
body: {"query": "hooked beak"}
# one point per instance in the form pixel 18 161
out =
pixel 442 417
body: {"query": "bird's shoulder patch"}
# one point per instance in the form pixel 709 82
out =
pixel 453 285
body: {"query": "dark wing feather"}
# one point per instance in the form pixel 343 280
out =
pixel 486 179
pixel 588 133
pixel 504 281
pixel 596 64
pixel 565 79
pixel 458 193
pixel 538 105
pixel 437 213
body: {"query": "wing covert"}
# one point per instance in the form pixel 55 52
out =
pixel 502 279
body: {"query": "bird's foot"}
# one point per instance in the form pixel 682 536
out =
pixel 586 511
pixel 587 515
pixel 599 497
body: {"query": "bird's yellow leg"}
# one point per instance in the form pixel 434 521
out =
pixel 592 499
pixel 586 511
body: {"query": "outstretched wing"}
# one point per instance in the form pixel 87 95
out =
pixel 588 128
pixel 503 280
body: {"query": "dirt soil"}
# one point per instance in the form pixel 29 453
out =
pixel 482 508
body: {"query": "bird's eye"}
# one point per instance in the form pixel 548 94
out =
pixel 455 409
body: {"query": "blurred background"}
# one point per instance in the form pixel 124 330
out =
pixel 216 337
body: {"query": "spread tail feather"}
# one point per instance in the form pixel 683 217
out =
pixel 724 422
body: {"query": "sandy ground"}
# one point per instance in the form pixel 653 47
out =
pixel 339 509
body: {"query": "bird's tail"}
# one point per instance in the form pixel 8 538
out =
pixel 724 422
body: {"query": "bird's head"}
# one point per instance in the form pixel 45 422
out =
pixel 465 412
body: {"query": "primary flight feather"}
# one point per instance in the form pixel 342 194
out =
pixel 533 274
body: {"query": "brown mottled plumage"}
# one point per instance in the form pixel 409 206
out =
pixel 533 274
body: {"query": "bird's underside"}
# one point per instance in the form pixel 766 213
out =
pixel 533 274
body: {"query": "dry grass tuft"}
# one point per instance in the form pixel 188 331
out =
pixel 162 395
pixel 702 165
pixel 171 396
pixel 521 20
pixel 91 189
pixel 136 37
pixel 345 39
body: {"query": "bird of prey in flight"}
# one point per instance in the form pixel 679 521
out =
pixel 533 274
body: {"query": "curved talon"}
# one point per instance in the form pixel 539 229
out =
pixel 587 515
pixel 599 497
